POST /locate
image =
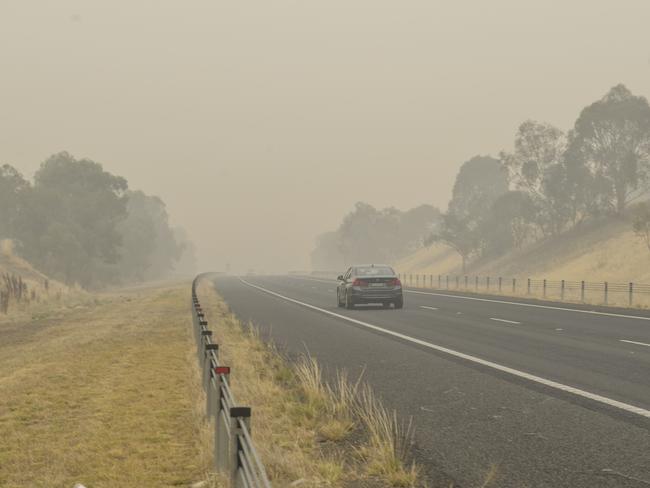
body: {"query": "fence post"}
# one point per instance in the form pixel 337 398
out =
pixel 499 284
pixel 410 279
pixel 544 292
pixel 466 282
pixel 431 281
pixel 417 280
pixel 457 286
pixel 439 282
pixel 562 291
pixel 528 289
pixel 447 282
pixel 582 291
pixel 605 293
pixel 631 292
pixel 514 285
pixel 476 284
pixel 237 415
pixel 487 283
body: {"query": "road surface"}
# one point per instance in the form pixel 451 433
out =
pixel 550 394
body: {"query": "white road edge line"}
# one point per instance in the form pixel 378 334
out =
pixel 634 342
pixel 505 369
pixel 577 310
pixel 428 308
pixel 521 304
pixel 512 322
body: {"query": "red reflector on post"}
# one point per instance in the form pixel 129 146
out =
pixel 222 370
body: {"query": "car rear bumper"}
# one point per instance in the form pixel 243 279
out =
pixel 375 296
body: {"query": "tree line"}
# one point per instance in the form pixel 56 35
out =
pixel 78 223
pixel 370 235
pixel 552 180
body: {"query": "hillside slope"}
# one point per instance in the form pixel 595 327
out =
pixel 602 251
pixel 41 289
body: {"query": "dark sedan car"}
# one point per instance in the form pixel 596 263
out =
pixel 369 283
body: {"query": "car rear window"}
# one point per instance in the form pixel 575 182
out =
pixel 374 271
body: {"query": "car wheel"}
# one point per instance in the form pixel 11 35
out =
pixel 399 303
pixel 349 303
pixel 339 303
pixel 386 305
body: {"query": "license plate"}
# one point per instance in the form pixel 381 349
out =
pixel 377 285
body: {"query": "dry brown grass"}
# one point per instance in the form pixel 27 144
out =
pixel 99 394
pixel 606 250
pixel 309 431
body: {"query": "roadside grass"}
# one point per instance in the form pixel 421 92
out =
pixel 310 432
pixel 103 393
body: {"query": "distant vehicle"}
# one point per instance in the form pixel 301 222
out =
pixel 369 283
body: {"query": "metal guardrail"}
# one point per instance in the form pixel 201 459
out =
pixel 234 452
pixel 601 292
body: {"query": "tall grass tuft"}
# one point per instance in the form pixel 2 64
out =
pixel 346 404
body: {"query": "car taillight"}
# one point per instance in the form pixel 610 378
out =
pixel 395 282
pixel 358 282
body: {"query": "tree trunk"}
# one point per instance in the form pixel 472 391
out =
pixel 619 189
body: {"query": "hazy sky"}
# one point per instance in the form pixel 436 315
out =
pixel 260 123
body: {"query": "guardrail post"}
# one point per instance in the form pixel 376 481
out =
pixel 237 415
pixel 630 292
pixel 410 279
pixel 466 278
pixel 582 291
pixel 562 291
pixel 221 442
pixel 447 282
pixel 199 340
pixel 417 280
pixel 487 283
pixel 207 363
pixel 457 282
pixel 544 289
pixel 514 285
pixel 499 284
pixel 606 293
pixel 213 397
pixel 439 282
pixel 528 289
pixel 476 284
pixel 431 281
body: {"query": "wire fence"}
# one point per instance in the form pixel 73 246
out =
pixel 234 451
pixel 602 293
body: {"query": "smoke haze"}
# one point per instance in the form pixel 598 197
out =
pixel 260 124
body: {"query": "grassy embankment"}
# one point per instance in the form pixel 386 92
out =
pixel 100 393
pixel 603 251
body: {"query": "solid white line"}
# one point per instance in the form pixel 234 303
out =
pixel 428 308
pixel 564 309
pixel 634 342
pixel 506 321
pixel 304 278
pixel 521 374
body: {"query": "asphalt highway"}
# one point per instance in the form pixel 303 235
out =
pixel 551 395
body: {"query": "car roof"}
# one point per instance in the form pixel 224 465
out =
pixel 370 266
